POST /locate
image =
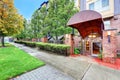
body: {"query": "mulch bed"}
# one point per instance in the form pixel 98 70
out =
pixel 115 65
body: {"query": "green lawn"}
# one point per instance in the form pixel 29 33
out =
pixel 14 61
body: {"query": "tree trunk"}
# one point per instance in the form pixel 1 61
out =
pixel 2 41
pixel 56 40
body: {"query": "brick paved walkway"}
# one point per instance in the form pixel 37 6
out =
pixel 46 72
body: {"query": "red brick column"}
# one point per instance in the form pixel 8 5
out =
pixel 109 46
pixel 34 40
pixel 44 40
pixel 70 41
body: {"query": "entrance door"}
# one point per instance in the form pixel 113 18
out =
pixel 96 47
pixel 87 46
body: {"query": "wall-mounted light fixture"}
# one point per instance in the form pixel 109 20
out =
pixel 109 35
pixel 92 36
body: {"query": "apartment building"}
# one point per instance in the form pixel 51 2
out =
pixel 110 11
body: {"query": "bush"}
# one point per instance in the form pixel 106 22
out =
pixel 26 43
pixel 61 49
pixel 30 44
pixel 76 51
pixel 100 55
pixel 55 48
pixel 20 42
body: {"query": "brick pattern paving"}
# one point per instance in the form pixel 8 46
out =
pixel 46 72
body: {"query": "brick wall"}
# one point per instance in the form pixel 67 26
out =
pixel 77 40
pixel 44 39
pixel 109 48
pixel 115 23
pixel 69 41
pixel 118 42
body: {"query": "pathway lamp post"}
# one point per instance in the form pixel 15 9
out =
pixel 108 36
pixel 72 42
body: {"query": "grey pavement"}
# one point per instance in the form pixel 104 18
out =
pixel 80 68
pixel 97 72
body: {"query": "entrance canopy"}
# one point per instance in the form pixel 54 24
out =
pixel 87 22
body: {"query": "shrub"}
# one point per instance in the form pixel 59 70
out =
pixel 100 55
pixel 30 44
pixel 76 51
pixel 26 43
pixel 61 49
pixel 55 48
pixel 20 42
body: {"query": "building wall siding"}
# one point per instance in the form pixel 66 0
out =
pixel 82 5
pixel 115 22
pixel 106 12
pixel 116 7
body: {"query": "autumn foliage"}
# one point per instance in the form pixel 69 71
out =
pixel 10 21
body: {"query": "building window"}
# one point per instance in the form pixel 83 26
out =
pixel 107 24
pixel 105 3
pixel 99 5
pixel 91 6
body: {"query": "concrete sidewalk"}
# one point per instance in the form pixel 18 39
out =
pixel 80 68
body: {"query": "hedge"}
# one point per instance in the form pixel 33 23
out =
pixel 21 42
pixel 27 43
pixel 61 49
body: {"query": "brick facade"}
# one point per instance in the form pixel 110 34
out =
pixel 44 39
pixel 115 23
pixel 77 41
pixel 109 46
pixel 69 41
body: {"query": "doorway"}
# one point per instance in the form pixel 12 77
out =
pixel 96 47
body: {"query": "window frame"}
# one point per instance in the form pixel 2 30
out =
pixel 104 4
pixel 93 6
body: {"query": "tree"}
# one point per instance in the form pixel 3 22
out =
pixel 23 33
pixel 10 21
pixel 34 24
pixel 38 22
pixel 59 12
pixel 52 19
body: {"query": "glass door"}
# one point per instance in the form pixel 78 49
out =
pixel 96 47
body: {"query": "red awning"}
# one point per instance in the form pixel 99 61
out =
pixel 87 22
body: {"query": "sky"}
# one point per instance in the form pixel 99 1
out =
pixel 27 7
